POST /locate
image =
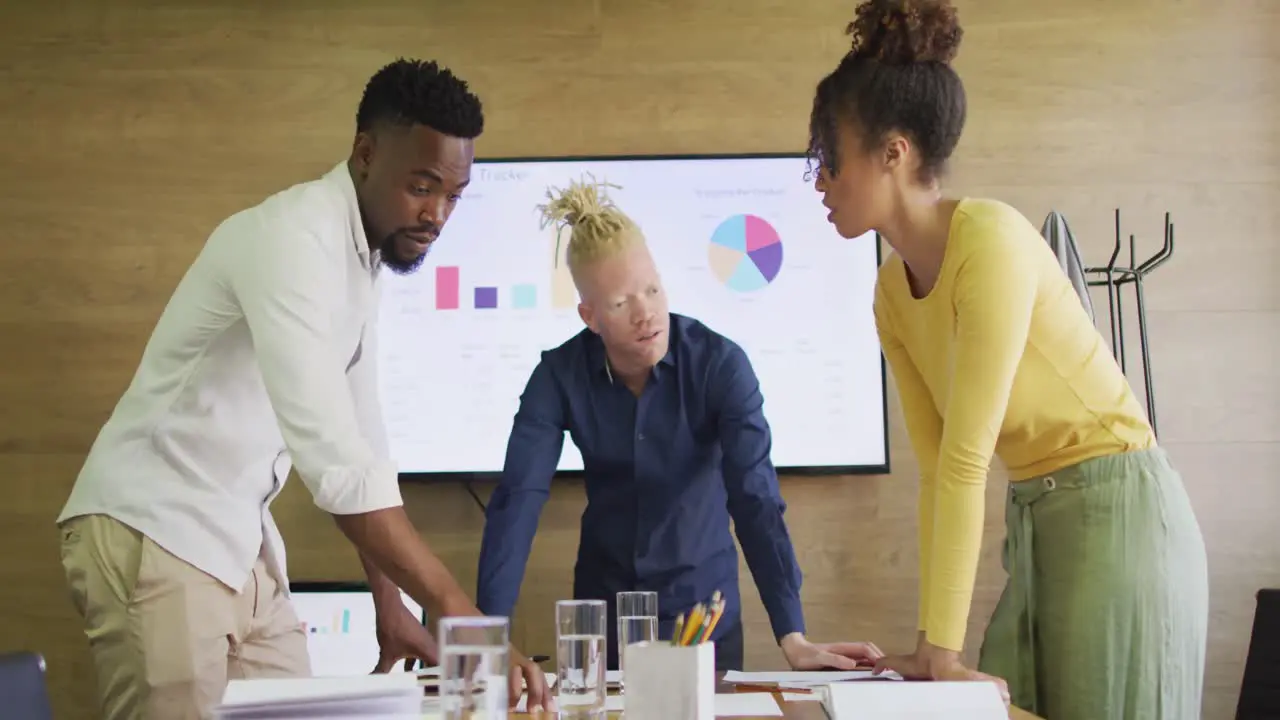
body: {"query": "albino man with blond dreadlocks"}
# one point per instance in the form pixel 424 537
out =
pixel 668 417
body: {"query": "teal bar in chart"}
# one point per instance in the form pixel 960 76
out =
pixel 525 296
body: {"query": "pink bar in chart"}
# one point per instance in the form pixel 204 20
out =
pixel 447 288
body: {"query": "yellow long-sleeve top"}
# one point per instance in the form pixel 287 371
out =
pixel 1000 357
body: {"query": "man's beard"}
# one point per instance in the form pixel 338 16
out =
pixel 390 258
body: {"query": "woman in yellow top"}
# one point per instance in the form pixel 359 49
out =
pixel 1105 611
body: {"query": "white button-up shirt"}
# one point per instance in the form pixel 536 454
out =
pixel 264 355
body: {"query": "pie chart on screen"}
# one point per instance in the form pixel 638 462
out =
pixel 745 253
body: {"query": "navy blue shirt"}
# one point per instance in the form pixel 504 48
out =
pixel 664 474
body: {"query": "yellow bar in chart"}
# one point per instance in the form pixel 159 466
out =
pixel 563 294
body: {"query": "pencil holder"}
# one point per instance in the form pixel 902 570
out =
pixel 668 682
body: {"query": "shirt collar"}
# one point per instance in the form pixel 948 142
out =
pixel 600 358
pixel 340 176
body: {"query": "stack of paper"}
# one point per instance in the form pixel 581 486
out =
pixel 914 701
pixel 395 696
pixel 749 704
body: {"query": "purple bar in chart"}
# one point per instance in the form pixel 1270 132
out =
pixel 486 298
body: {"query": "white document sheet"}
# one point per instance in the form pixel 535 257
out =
pixel 727 704
pixel 798 679
pixel 747 704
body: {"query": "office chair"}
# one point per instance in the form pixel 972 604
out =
pixel 1260 687
pixel 22 690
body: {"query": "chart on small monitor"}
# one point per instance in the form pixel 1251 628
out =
pixel 742 244
pixel 341 630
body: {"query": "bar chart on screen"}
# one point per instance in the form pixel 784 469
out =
pixel 339 625
pixel 341 629
pixel 341 632
pixel 482 316
pixel 449 284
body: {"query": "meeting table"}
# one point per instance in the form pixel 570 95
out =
pixel 800 710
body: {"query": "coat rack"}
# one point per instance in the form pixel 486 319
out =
pixel 1114 278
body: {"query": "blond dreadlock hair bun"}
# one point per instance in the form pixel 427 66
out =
pixel 597 227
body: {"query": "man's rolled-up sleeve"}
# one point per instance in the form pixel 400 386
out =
pixel 288 284
pixel 362 377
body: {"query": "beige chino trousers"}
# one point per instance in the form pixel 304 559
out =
pixel 166 637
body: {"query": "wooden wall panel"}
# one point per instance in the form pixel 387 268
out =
pixel 131 127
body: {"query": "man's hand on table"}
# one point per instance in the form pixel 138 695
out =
pixel 402 636
pixel 528 678
pixel 804 655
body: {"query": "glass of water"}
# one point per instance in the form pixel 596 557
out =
pixel 637 622
pixel 473 667
pixel 581 691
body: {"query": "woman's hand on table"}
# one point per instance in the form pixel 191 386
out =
pixel 930 662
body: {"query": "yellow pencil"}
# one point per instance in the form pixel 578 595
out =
pixel 691 627
pixel 715 618
pixel 679 629
pixel 706 621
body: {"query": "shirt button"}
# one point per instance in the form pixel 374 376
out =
pixel 640 436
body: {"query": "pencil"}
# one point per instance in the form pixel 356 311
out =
pixel 702 633
pixel 704 629
pixel 678 631
pixel 771 688
pixel 691 626
pixel 715 618
pixel 710 624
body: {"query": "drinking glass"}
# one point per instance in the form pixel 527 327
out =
pixel 473 667
pixel 637 622
pixel 581 691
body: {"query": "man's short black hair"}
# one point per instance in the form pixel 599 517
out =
pixel 420 92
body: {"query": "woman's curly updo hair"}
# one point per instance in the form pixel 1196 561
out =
pixel 896 77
